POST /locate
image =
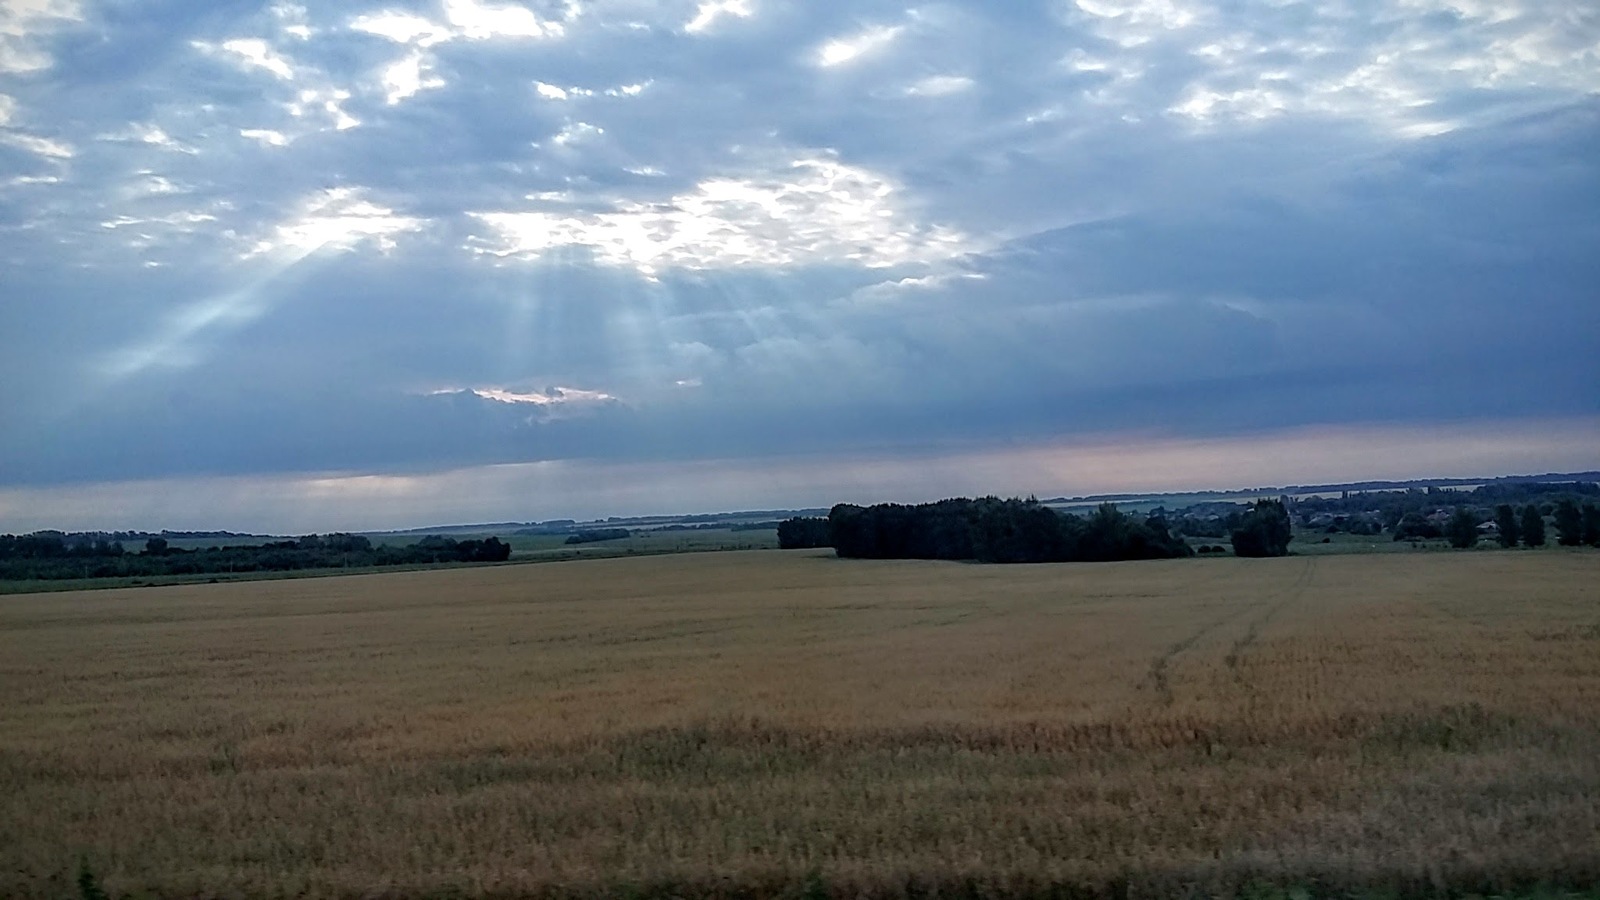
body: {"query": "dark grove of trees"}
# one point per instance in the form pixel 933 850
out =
pixel 1264 531
pixel 994 530
pixel 52 556
pixel 595 536
pixel 804 533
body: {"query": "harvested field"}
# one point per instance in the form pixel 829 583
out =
pixel 765 722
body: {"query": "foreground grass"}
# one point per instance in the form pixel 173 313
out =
pixel 773 724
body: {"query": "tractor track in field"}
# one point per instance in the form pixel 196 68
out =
pixel 1253 629
pixel 1159 677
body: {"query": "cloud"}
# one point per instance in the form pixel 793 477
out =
pixel 408 77
pixel 41 146
pixel 251 53
pixel 266 136
pixel 337 219
pixel 582 489
pixel 463 20
pixel 404 28
pixel 478 21
pixel 257 241
pixel 707 14
pixel 940 86
pixel 1133 23
pixel 816 211
pixel 23 24
pixel 845 50
pixel 145 133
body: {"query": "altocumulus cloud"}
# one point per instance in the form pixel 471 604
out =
pixel 391 246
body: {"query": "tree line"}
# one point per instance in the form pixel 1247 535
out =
pixel 596 535
pixel 51 556
pixel 1575 525
pixel 987 529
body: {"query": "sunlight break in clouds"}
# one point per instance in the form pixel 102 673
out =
pixel 480 21
pixel 548 405
pixel 337 219
pixel 840 51
pixel 251 53
pixel 463 19
pixel 265 136
pixel 403 28
pixel 409 77
pixel 819 212
pixel 940 86
pixel 1132 23
pixel 552 397
pixel 712 10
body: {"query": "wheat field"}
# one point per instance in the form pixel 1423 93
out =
pixel 787 724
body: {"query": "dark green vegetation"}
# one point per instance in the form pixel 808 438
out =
pixel 1532 526
pixel 1015 531
pixel 52 556
pixel 1264 531
pixel 598 535
pixel 995 530
pixel 1462 529
pixel 1411 514
pixel 1509 527
pixel 804 533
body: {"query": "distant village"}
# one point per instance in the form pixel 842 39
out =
pixel 1495 510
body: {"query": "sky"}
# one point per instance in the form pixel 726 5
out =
pixel 303 267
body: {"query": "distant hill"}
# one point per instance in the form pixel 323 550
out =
pixel 1353 486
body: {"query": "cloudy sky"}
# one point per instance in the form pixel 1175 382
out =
pixel 363 264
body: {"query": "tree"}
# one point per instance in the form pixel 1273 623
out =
pixel 1591 524
pixel 1506 518
pixel 1463 529
pixel 1532 526
pixel 1569 524
pixel 1263 531
pixel 801 533
pixel 156 547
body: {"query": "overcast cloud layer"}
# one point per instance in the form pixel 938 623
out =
pixel 288 244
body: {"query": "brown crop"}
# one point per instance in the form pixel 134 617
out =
pixel 746 724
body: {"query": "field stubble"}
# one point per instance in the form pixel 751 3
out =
pixel 732 723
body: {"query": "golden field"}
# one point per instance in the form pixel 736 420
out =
pixel 751 724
